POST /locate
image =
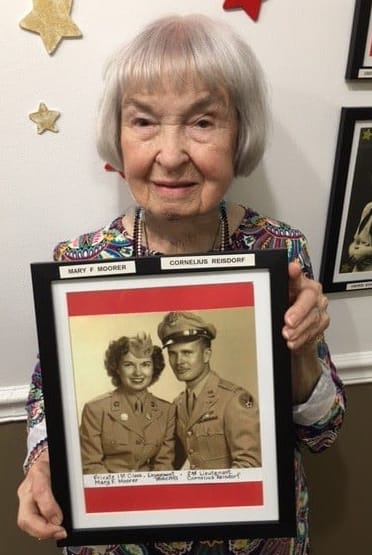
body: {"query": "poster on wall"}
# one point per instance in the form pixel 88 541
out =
pixel 130 458
pixel 347 252
pixel 359 64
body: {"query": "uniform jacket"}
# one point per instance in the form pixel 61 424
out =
pixel 114 439
pixel 223 429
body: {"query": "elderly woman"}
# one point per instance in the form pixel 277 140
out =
pixel 183 112
pixel 129 429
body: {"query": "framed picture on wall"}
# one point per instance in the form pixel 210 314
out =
pixel 347 252
pixel 117 470
pixel 359 64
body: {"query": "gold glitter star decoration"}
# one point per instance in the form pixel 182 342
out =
pixel 45 119
pixel 366 134
pixel 51 20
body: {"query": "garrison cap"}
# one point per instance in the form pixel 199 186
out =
pixel 180 327
pixel 141 345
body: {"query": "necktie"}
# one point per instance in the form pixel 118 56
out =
pixel 137 406
pixel 190 400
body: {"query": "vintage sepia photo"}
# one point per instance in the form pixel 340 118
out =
pixel 127 420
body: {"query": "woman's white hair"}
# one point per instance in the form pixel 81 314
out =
pixel 182 48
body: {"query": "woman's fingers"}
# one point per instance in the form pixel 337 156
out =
pixel 307 316
pixel 39 514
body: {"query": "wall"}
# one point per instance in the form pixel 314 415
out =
pixel 340 484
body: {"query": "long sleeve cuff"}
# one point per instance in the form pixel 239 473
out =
pixel 319 403
pixel 36 442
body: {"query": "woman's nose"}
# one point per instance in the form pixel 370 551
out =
pixel 136 369
pixel 172 148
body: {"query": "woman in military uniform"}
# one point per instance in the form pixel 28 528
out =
pixel 129 429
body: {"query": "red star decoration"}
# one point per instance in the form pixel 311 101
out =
pixel 251 7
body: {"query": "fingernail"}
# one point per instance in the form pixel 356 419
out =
pixel 291 320
pixel 60 535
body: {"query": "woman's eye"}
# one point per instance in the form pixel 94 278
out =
pixel 142 122
pixel 203 123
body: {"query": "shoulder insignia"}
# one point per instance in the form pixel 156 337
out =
pixel 246 400
pixel 229 386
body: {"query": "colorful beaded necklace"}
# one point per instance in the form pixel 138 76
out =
pixel 139 227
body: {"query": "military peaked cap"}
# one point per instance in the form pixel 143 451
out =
pixel 180 327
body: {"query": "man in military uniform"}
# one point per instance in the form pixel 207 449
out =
pixel 217 422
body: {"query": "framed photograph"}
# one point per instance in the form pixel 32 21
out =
pixel 347 252
pixel 359 64
pixel 130 460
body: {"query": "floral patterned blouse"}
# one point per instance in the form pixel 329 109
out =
pixel 255 232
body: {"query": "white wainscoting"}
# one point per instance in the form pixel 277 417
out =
pixel 12 403
pixel 353 368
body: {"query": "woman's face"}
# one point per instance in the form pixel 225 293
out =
pixel 135 373
pixel 178 149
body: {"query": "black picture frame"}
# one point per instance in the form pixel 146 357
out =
pixel 346 265
pixel 79 306
pixel 359 64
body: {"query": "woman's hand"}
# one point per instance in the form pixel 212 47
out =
pixel 307 316
pixel 305 320
pixel 39 514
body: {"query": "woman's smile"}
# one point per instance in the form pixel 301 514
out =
pixel 174 189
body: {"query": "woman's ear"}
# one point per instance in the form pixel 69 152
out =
pixel 109 168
